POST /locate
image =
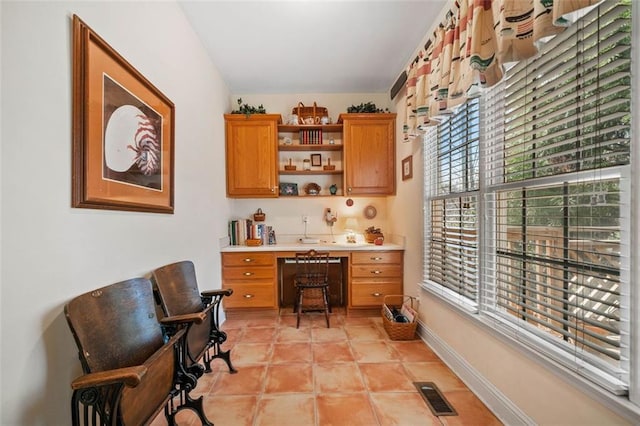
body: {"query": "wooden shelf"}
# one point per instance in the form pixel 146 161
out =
pixel 310 147
pixel 339 194
pixel 325 128
pixel 310 172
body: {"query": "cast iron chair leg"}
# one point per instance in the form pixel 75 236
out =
pixel 326 306
pixel 299 310
pixel 226 356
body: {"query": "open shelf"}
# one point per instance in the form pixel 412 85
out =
pixel 310 172
pixel 325 127
pixel 310 147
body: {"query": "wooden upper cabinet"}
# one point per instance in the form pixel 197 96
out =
pixel 252 155
pixel 369 153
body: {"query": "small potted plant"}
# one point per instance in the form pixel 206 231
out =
pixel 365 107
pixel 248 109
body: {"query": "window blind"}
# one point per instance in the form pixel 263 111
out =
pixel 451 186
pixel 558 195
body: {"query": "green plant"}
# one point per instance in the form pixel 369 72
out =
pixel 248 109
pixel 368 107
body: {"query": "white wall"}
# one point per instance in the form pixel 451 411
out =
pixel 52 252
pixel 407 204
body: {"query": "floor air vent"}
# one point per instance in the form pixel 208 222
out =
pixel 437 403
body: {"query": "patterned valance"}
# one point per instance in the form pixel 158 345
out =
pixel 469 48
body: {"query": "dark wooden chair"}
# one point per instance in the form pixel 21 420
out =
pixel 177 293
pixel 131 373
pixel 312 283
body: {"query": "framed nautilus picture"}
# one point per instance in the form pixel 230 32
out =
pixel 123 132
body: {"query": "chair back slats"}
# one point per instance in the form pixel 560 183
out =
pixel 312 267
pixel 124 313
pixel 179 288
pixel 312 283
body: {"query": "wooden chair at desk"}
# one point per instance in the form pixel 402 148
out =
pixel 312 283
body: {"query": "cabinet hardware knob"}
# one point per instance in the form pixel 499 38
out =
pixel 376 272
pixel 376 294
pixel 248 274
pixel 248 296
pixel 248 259
pixel 376 258
pixel 273 189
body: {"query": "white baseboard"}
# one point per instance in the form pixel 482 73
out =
pixel 498 403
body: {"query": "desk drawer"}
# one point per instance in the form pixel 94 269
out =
pixel 368 294
pixel 248 273
pixel 248 258
pixel 376 271
pixel 251 296
pixel 375 257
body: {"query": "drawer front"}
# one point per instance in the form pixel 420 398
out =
pixel 376 271
pixel 373 294
pixel 248 273
pixel 250 296
pixel 375 257
pixel 248 258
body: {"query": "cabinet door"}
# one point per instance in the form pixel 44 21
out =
pixel 369 151
pixel 252 155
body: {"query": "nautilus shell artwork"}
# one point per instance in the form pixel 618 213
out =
pixel 130 138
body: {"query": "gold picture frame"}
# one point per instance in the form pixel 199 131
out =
pixel 407 168
pixel 123 132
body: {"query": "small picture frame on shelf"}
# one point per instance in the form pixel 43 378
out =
pixel 316 160
pixel 288 188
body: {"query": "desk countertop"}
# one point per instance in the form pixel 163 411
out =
pixel 322 245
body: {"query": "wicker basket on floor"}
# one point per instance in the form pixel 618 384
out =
pixel 399 330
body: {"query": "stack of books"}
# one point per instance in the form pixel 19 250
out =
pixel 311 137
pixel 240 230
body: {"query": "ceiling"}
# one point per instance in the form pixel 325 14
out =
pixel 311 46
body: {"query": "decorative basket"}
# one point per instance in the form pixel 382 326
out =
pixel 289 166
pixel 253 242
pixel 399 330
pixel 312 189
pixel 371 237
pixel 259 216
pixel 316 112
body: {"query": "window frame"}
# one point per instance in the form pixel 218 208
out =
pixel 602 388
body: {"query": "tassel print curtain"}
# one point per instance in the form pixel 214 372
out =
pixel 469 48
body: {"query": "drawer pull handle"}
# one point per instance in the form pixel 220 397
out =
pixel 376 258
pixel 248 259
pixel 248 296
pixel 376 271
pixel 248 274
pixel 376 294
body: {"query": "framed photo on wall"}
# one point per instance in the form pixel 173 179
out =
pixel 407 168
pixel 123 132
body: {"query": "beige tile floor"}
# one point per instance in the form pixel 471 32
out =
pixel 349 374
